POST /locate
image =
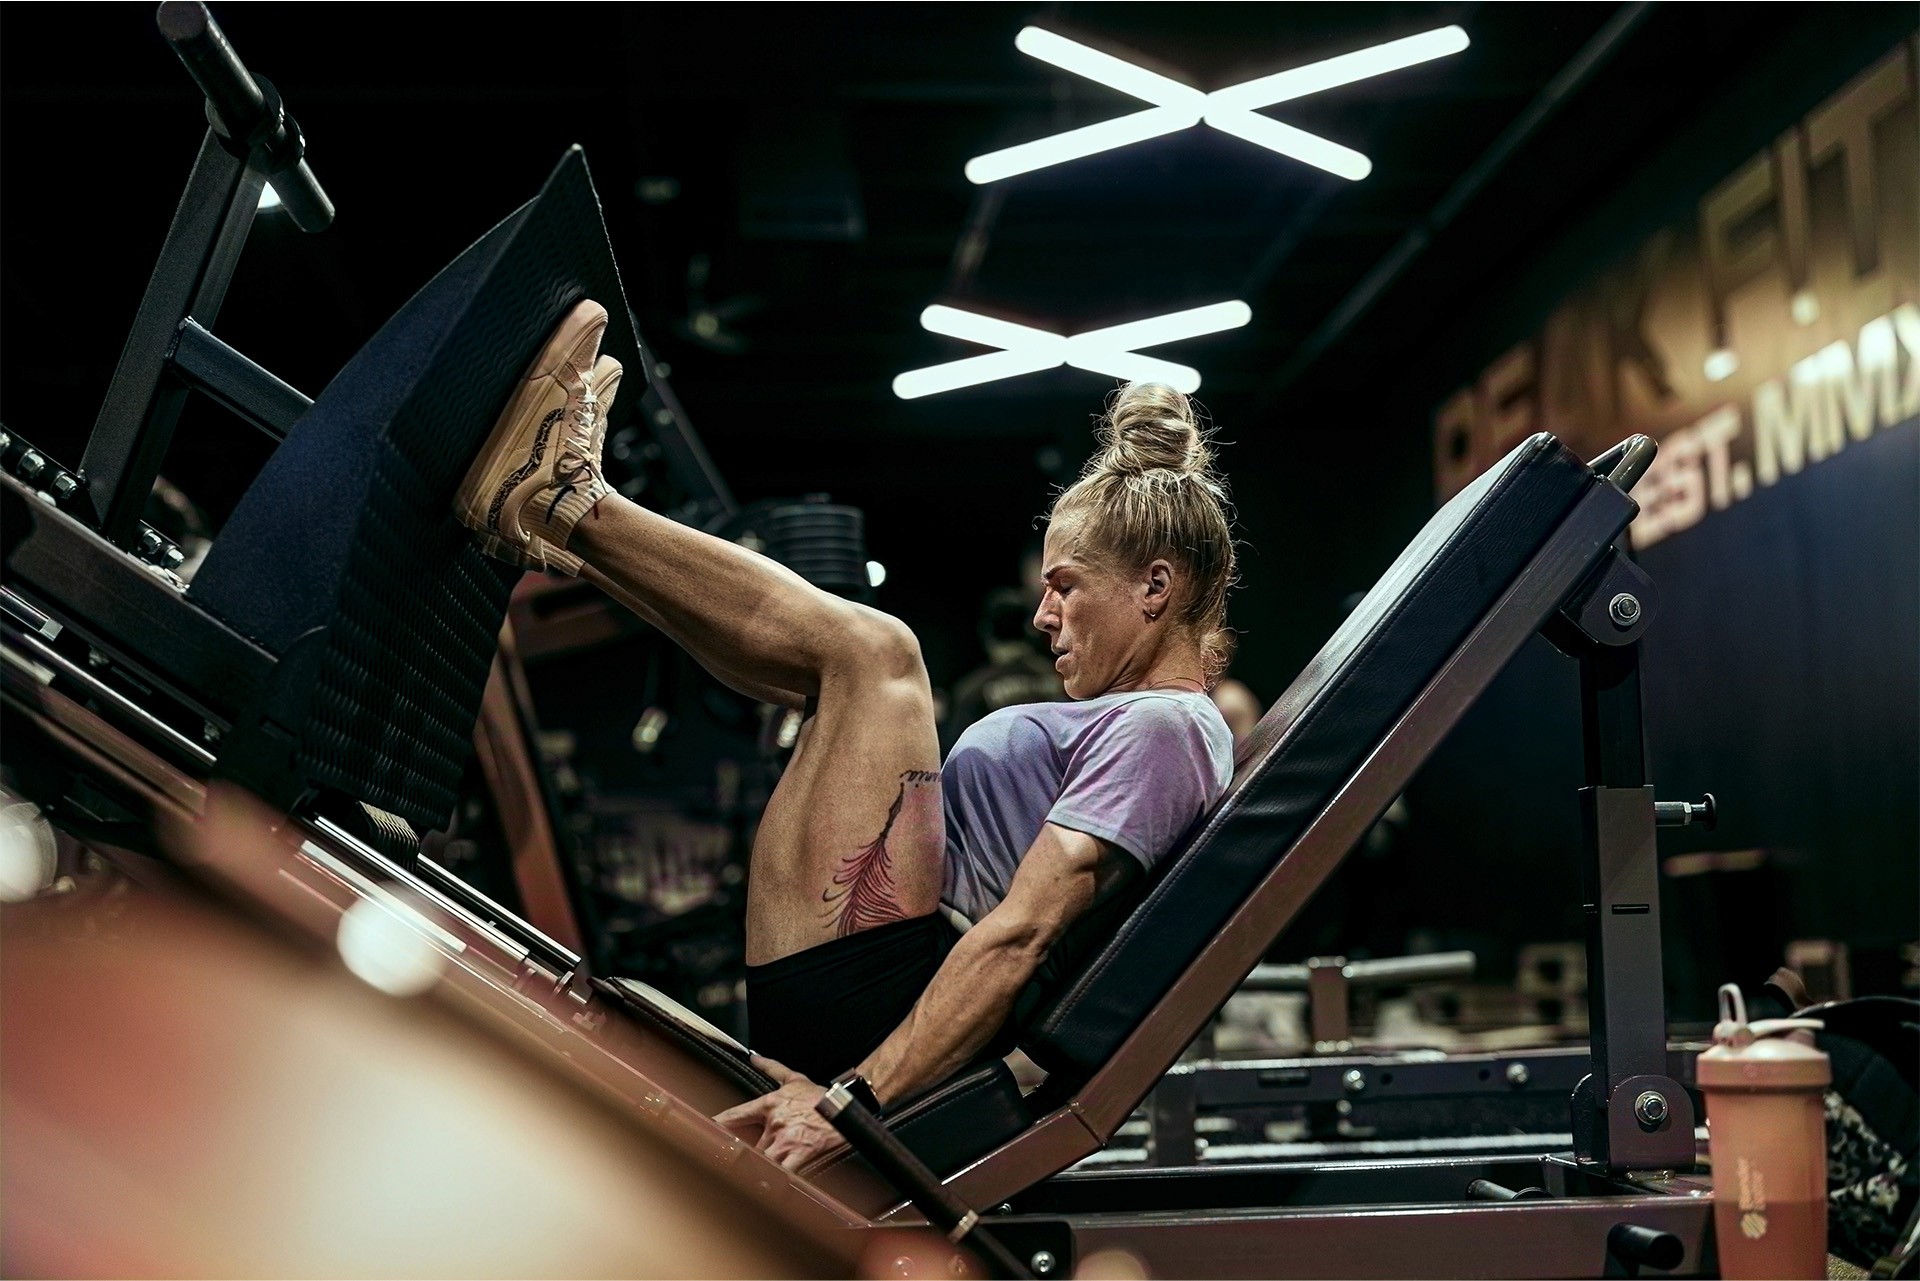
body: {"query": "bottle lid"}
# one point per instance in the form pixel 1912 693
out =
pixel 1772 1054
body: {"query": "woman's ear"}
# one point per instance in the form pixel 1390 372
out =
pixel 1158 586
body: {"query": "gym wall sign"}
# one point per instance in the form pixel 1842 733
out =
pixel 1779 327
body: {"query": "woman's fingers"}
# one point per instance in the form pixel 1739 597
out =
pixel 780 1072
pixel 752 1112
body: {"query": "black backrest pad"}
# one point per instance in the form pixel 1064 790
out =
pixel 346 543
pixel 1313 739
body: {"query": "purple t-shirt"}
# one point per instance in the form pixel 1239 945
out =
pixel 1135 769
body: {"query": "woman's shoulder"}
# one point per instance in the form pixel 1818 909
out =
pixel 1144 709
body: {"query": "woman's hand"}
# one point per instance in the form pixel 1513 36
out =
pixel 792 1133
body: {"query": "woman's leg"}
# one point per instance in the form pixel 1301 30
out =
pixel 853 835
pixel 735 680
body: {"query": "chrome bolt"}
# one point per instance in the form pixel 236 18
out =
pixel 1624 610
pixel 1651 1108
pixel 1043 1263
pixel 1354 1080
pixel 1517 1074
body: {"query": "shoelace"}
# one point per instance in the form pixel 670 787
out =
pixel 573 464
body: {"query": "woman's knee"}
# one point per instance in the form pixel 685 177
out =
pixel 883 645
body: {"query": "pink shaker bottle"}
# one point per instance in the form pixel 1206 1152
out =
pixel 1767 1128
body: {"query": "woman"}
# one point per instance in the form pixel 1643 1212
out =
pixel 1040 811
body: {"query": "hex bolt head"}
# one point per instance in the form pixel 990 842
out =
pixel 1353 1080
pixel 1043 1263
pixel 1624 610
pixel 1517 1074
pixel 31 464
pixel 1650 1108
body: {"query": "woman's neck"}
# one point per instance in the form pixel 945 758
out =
pixel 1181 670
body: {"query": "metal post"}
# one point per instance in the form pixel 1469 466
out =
pixel 1645 1118
pixel 1329 997
pixel 1172 1110
pixel 135 424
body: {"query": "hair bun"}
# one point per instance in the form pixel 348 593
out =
pixel 1149 426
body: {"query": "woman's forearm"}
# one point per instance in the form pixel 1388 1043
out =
pixel 969 998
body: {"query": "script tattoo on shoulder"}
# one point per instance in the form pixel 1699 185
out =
pixel 862 894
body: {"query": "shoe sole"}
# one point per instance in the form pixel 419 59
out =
pixel 495 464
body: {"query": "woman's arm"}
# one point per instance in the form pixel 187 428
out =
pixel 1063 874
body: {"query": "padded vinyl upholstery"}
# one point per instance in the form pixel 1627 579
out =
pixel 345 544
pixel 1308 744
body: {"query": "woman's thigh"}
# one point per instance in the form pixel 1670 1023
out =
pixel 853 836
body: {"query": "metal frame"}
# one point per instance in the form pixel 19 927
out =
pixel 168 350
pixel 127 611
pixel 1329 982
pixel 1190 1089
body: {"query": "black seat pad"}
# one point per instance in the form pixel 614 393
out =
pixel 1312 740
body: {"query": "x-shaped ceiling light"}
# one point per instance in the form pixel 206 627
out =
pixel 1231 110
pixel 1026 350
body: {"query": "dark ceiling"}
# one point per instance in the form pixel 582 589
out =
pixel 796 170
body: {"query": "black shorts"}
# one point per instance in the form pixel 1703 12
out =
pixel 823 1010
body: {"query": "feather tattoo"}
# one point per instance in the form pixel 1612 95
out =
pixel 862 894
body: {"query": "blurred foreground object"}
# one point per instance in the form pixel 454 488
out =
pixel 187 1096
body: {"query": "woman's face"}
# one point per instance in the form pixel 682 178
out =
pixel 1095 618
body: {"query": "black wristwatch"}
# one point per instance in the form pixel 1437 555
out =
pixel 862 1091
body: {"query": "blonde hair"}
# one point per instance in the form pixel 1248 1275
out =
pixel 1150 492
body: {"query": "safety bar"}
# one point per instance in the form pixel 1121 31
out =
pixel 1382 973
pixel 868 1135
pixel 249 111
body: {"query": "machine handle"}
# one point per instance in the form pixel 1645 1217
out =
pixel 252 116
pixel 1627 462
pixel 870 1137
